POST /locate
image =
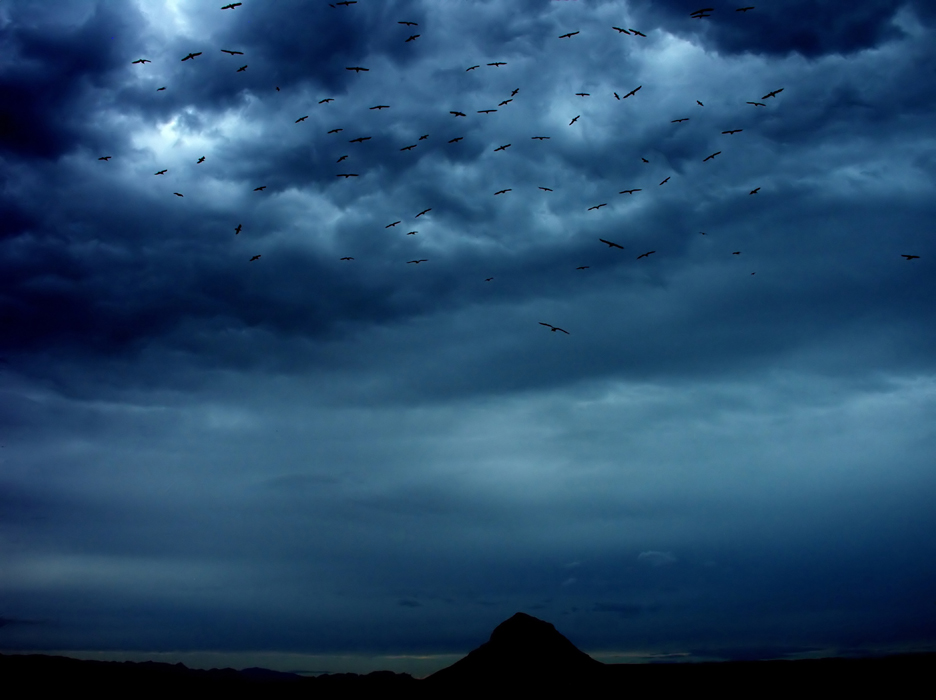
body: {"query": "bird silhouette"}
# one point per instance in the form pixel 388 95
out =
pixel 162 172
pixel 598 206
pixel 177 194
pixel 409 24
pixel 644 159
pixel 733 131
pixel 486 111
pixel 772 93
pixel 241 69
pixel 514 92
pixel 737 252
pixel 238 229
pixel 357 69
pixel 757 104
pixel 327 99
pixel 502 148
pixel 359 139
pixel 141 60
pixel 582 267
pixel 566 36
pixel 423 137
pixel 699 103
pixel 754 191
pixel 232 6
pixel 501 192
pixel 622 31
pixel 255 257
pixel 676 121
pixel 634 31
pixel 629 191
pixel 302 119
pixel 392 225
pixel 701 13
pixel 413 37
pixel 711 156
pixel 504 102
pixel 472 68
pixel 488 279
pixel 744 9
pixel 610 244
pixel 347 257
pixel 424 211
pixel 260 189
pixel 458 114
pixel 456 139
pixel 346 175
pixel 646 254
pixel 540 138
pixel 158 89
pixel 335 131
pixel 105 157
pixel 633 92
pixel 408 148
pixel 381 107
pixel 341 159
pixel 666 180
pixel 233 53
pixel 412 233
pixel 616 96
pixel 416 262
pixel 200 160
pixel 910 257
pixel 574 120
pixel 347 3
pixel 554 328
pixel 497 63
pixel 582 94
pixel 192 55
pixel 546 189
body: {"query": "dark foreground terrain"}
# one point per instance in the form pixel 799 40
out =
pixel 524 654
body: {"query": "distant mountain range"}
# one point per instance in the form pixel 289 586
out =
pixel 523 654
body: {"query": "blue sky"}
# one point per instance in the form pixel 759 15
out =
pixel 370 463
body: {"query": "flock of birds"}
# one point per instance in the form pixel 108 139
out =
pixel 698 14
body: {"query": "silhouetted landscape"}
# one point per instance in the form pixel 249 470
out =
pixel 523 654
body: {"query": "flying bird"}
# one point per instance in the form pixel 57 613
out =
pixel 233 53
pixel 583 267
pixel 610 244
pixel 772 93
pixel 346 258
pixel 141 60
pixel 574 120
pixel 341 159
pixel 701 13
pixel 634 31
pixel 408 148
pixel 546 189
pixel 497 63
pixel 302 119
pixel 629 191
pixel 359 139
pixel 472 68
pixel 238 229
pixel 327 99
pixel 255 257
pixel 357 69
pixel 676 121
pixel 424 211
pixel 644 159
pixel 502 148
pixel 666 180
pixel 413 37
pixel 540 138
pixel 458 114
pixel 260 189
pixel 711 156
pixel 392 225
pixel 381 107
pixel 456 139
pixel 755 190
pixel 417 261
pixel 409 24
pixel 646 254
pixel 598 206
pixel 737 252
pixel 616 96
pixel 757 104
pixel 241 69
pixel 105 157
pixel 335 131
pixel 412 233
pixel 699 103
pixel 232 6
pixel 192 55
pixel 515 91
pixel 582 94
pixel 347 3
pixel 633 92
pixel 177 194
pixel 158 89
pixel 909 257
pixel 200 160
pixel 277 88
pixel 554 328
pixel 501 192
pixel 733 131
pixel 486 111
pixel 347 175
pixel 622 31
pixel 423 137
pixel 744 9
pixel 161 172
pixel 566 36
pixel 504 102
pixel 488 279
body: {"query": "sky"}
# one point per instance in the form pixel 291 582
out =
pixel 222 443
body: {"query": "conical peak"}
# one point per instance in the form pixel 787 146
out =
pixel 524 628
